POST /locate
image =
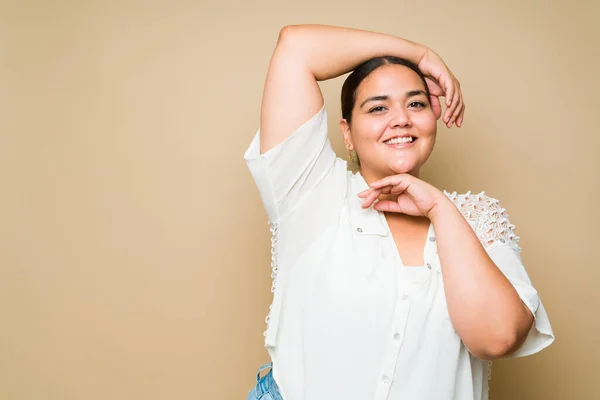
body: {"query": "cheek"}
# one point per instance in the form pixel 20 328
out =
pixel 426 123
pixel 369 130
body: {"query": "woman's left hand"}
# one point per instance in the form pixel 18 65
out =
pixel 415 197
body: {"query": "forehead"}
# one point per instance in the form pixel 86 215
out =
pixel 390 78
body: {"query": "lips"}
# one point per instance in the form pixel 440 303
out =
pixel 400 137
pixel 402 145
pixel 397 141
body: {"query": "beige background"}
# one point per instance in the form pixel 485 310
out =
pixel 134 250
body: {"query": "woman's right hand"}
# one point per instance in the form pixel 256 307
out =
pixel 442 82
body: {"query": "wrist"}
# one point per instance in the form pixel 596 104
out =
pixel 441 207
pixel 423 52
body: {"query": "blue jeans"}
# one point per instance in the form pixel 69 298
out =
pixel 266 388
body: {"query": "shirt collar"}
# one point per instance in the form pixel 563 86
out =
pixel 364 221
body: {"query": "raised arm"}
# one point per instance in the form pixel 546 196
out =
pixel 306 54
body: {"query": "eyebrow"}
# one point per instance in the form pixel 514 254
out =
pixel 412 93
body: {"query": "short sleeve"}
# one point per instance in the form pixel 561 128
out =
pixel 498 237
pixel 289 172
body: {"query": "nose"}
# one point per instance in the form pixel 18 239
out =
pixel 399 118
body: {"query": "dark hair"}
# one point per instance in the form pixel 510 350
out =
pixel 361 72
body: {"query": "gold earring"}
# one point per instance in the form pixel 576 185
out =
pixel 349 154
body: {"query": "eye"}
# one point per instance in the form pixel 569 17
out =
pixel 418 104
pixel 377 109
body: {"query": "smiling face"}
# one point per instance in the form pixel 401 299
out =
pixel 391 102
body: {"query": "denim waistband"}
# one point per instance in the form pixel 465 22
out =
pixel 267 383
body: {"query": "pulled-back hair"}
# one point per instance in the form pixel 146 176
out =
pixel 361 72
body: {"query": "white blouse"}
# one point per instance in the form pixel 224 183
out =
pixel 348 319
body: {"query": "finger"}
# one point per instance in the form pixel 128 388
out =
pixel 387 205
pixel 460 100
pixel 457 111
pixel 370 198
pixel 388 180
pixel 449 91
pixel 365 193
pixel 454 105
pixel 450 110
pixel 399 188
pixel 462 114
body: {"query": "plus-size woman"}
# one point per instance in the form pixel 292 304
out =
pixel 385 287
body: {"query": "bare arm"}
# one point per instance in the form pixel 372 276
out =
pixel 306 54
pixel 484 307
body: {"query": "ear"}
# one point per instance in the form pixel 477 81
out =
pixel 345 128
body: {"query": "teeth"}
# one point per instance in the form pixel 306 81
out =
pixel 400 140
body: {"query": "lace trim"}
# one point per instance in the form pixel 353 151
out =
pixel 274 228
pixel 492 220
pixel 489 376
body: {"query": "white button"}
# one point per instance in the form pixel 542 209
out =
pixel 428 265
pixel 385 379
pixel 359 229
pixel 432 239
pixel 397 336
pixel 404 296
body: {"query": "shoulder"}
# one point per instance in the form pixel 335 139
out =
pixel 474 206
pixel 487 217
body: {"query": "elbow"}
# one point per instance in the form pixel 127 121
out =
pixel 504 346
pixel 288 43
pixel 286 30
pixel 512 338
pixel 506 340
pixel 293 47
pixel 499 347
pixel 296 39
pixel 286 34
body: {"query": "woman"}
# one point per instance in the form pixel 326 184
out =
pixel 384 286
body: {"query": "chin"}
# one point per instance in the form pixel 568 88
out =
pixel 404 166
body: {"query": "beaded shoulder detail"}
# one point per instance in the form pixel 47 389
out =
pixel 491 220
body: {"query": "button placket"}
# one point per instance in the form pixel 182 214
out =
pixel 394 344
pixel 431 252
pixel 405 298
pixel 400 319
